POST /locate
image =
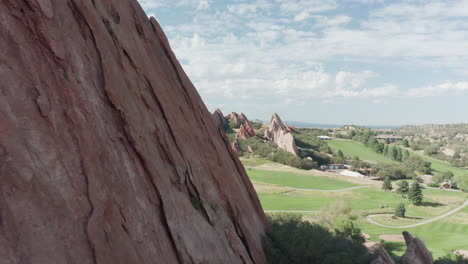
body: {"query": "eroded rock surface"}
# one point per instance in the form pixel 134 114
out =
pixel 246 131
pixel 219 118
pixel 107 152
pixel 278 133
pixel 416 253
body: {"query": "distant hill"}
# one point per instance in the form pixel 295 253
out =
pixel 329 126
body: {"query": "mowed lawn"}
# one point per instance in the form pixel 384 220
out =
pixel 440 166
pixel 441 237
pixel 298 180
pixel 352 148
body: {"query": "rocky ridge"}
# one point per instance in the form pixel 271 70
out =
pixel 278 133
pixel 107 152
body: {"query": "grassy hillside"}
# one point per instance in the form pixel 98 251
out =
pixel 440 166
pixel 352 148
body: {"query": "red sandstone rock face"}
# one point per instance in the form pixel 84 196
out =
pixel 246 131
pixel 234 117
pixel 278 133
pixel 107 152
pixel 219 118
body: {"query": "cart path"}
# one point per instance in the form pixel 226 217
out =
pixel 369 218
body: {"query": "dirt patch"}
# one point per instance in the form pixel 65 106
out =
pixel 392 238
pixel 366 236
pixel 461 252
pixel 373 247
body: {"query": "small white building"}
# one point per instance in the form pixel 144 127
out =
pixel 352 174
pixel 324 137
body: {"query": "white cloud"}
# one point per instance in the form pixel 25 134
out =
pixel 301 16
pixel 312 6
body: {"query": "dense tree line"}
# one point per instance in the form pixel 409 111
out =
pixel 289 239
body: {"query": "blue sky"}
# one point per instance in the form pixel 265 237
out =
pixel 366 62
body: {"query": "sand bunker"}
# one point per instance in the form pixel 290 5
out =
pixel 392 238
pixel 461 252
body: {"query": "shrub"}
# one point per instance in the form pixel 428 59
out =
pixel 400 210
pixel 289 239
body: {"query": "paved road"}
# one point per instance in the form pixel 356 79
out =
pixel 369 218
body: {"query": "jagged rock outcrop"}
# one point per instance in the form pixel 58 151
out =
pixel 383 258
pixel 416 253
pixel 289 128
pixel 219 118
pixel 235 118
pixel 107 152
pixel 278 133
pixel 246 131
pixel 235 145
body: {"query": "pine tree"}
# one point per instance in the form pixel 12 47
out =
pixel 406 154
pixel 403 188
pixel 394 153
pixel 399 155
pixel 415 193
pixel 400 210
pixel 387 184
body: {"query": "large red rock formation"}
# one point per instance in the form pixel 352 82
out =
pixel 278 133
pixel 246 131
pixel 219 118
pixel 235 118
pixel 107 152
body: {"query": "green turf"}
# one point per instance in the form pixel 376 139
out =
pixel 441 237
pixel 298 180
pixel 352 148
pixel 440 166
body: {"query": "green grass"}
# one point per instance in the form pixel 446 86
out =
pixel 440 166
pixel 441 237
pixel 298 180
pixel 352 148
pixel 291 203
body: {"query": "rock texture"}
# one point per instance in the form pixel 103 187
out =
pixel 246 131
pixel 416 253
pixel 383 258
pixel 278 133
pixel 219 118
pixel 107 152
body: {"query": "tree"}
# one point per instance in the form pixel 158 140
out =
pixel 405 143
pixel 399 155
pixel 403 188
pixel 394 153
pixel 441 177
pixel 462 182
pixel 415 193
pixel 406 155
pixel 385 150
pixel 340 158
pixel 387 184
pixel 400 210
